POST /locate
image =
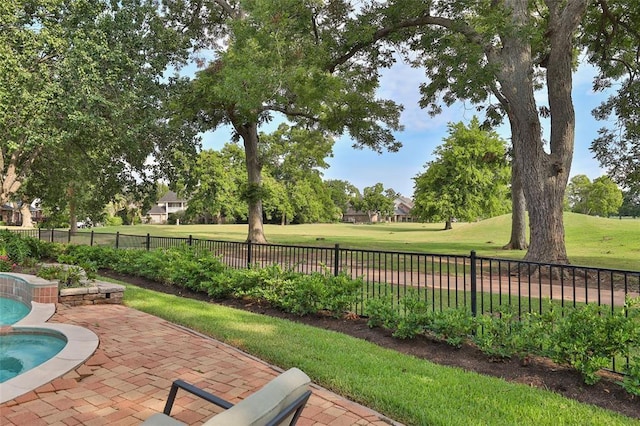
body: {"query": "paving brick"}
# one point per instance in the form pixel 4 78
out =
pixel 62 384
pixel 128 378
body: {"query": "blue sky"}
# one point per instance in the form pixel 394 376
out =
pixel 422 134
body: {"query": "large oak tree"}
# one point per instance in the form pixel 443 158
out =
pixel 501 52
pixel 83 97
pixel 288 58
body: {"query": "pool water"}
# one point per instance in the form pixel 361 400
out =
pixel 12 311
pixel 20 352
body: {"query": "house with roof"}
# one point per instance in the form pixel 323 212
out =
pixel 402 210
pixel 11 215
pixel 401 213
pixel 169 203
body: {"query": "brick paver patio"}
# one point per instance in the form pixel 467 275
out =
pixel 129 376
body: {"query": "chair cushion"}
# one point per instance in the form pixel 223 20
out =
pixel 263 405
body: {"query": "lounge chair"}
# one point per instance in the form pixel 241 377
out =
pixel 279 402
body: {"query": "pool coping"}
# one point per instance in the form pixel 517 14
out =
pixel 81 344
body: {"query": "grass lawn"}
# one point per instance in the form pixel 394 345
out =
pixel 407 389
pixel 591 241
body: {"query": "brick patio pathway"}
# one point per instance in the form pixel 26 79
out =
pixel 129 376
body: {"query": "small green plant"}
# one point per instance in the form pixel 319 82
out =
pixel 14 246
pixel 67 276
pixel 72 276
pixel 588 337
pixel 6 265
pixel 341 292
pixel 498 334
pixel 50 272
pixel 415 319
pixel 453 326
pixel 631 380
pixel 381 313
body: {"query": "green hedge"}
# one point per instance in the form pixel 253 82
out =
pixel 200 271
pixel 585 338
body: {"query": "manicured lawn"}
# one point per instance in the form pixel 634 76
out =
pixel 407 389
pixel 591 241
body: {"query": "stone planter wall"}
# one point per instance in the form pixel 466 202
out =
pixel 99 292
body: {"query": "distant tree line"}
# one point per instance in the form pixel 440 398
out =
pixel 292 192
pixel 602 197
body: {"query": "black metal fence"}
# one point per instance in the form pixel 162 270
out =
pixel 477 283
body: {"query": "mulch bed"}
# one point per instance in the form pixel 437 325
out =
pixel 535 372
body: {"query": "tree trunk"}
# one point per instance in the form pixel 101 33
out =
pixel 25 212
pixel 543 175
pixel 447 224
pixel 518 239
pixel 73 219
pixel 249 134
pixel 11 181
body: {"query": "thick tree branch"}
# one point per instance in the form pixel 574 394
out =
pixel 453 25
pixel 228 9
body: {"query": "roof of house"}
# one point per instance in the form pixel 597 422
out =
pixel 17 206
pixel 157 210
pixel 171 197
pixel 405 200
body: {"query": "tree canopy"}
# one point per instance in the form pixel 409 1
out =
pixel 83 98
pixel 497 55
pixel 602 197
pixel 294 157
pixel 375 201
pixel 467 180
pixel 612 39
pixel 289 58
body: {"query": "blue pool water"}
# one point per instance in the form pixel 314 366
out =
pixel 12 311
pixel 20 352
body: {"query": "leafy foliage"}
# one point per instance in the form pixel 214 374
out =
pixel 295 64
pixel 585 338
pixel 202 271
pixel 468 179
pixel 86 101
pixel 631 380
pixel 16 248
pixel 588 337
pixel 611 42
pixel 602 197
pixel 499 334
pixel 381 313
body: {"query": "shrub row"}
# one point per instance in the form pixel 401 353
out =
pixel 185 267
pixel 585 338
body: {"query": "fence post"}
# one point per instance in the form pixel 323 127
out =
pixel 148 243
pixel 69 237
pixel 117 239
pixel 91 241
pixel 336 260
pixel 40 234
pixel 248 254
pixel 52 231
pixel 474 302
pixel 190 240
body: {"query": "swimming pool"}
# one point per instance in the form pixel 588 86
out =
pixel 32 350
pixel 12 311
pixel 22 351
